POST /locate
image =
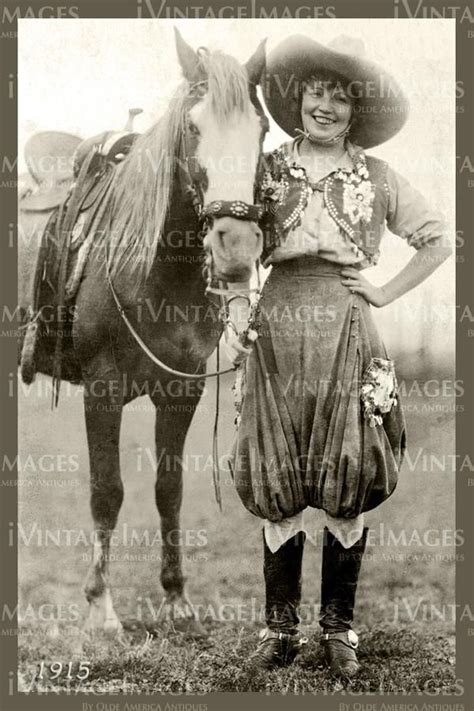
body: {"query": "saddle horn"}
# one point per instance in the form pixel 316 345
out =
pixel 131 118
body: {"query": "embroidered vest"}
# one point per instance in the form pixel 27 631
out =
pixel 357 201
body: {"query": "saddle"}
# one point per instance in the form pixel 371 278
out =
pixel 54 159
pixel 49 157
pixel 70 231
pixel 77 204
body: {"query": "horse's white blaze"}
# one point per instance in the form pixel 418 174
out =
pixel 229 151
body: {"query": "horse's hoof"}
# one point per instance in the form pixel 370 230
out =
pixel 102 618
pixel 179 616
pixel 191 627
pixel 113 627
pixel 107 632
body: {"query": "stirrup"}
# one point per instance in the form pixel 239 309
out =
pixel 340 652
pixel 277 649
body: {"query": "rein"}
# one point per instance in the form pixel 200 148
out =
pixel 146 349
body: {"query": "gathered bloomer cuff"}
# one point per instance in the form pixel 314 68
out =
pixel 347 530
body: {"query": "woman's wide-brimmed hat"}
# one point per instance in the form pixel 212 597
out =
pixel 380 107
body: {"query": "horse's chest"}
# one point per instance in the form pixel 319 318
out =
pixel 196 341
pixel 184 333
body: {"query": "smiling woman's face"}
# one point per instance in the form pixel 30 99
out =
pixel 326 109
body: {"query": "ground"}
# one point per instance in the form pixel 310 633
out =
pixel 406 594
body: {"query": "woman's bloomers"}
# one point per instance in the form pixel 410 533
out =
pixel 316 234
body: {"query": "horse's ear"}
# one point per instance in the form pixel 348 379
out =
pixel 188 58
pixel 256 64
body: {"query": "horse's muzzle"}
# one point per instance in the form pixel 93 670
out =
pixel 235 246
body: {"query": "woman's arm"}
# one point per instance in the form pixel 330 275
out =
pixel 423 263
pixel 412 218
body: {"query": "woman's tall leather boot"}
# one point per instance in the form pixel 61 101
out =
pixel 340 574
pixel 280 642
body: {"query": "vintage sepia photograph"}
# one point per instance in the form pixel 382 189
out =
pixel 236 370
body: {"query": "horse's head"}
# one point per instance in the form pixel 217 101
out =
pixel 222 141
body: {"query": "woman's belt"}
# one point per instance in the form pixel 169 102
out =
pixel 310 266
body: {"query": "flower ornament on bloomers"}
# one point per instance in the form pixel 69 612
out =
pixel 379 390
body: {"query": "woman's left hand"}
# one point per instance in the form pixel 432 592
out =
pixel 358 284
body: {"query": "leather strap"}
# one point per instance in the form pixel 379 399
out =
pixel 232 208
pixel 266 633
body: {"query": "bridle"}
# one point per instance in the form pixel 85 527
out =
pixel 193 181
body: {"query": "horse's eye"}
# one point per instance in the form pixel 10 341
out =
pixel 193 129
pixel 198 90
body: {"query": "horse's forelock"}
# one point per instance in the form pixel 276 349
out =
pixel 228 85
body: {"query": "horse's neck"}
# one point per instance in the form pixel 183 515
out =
pixel 178 266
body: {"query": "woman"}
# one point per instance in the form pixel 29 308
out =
pixel 319 423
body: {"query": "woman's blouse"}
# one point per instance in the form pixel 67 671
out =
pixel 409 216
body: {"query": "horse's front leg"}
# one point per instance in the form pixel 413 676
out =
pixel 170 433
pixel 103 413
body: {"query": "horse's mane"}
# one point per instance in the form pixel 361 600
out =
pixel 144 182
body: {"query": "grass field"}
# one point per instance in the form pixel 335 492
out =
pixel 403 614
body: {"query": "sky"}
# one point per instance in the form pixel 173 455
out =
pixel 82 76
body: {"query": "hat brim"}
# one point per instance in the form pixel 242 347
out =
pixel 380 106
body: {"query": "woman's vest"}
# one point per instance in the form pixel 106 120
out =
pixel 357 201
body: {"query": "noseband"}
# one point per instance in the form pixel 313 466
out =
pixel 231 208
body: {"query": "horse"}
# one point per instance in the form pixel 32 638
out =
pixel 199 161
